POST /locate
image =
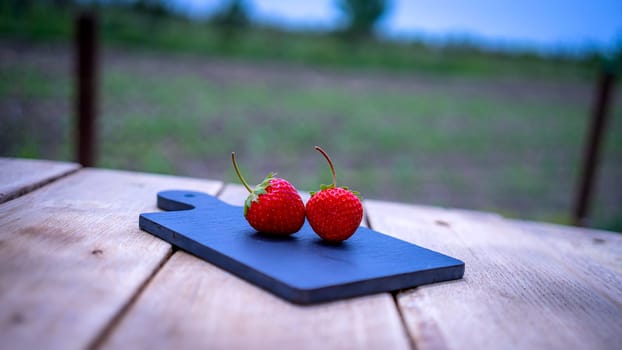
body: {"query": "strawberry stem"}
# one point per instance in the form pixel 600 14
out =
pixel 330 163
pixel 237 171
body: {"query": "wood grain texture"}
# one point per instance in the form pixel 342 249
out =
pixel 72 256
pixel 192 304
pixel 593 255
pixel 519 291
pixel 20 176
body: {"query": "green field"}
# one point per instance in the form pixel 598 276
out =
pixel 510 145
pixel 460 128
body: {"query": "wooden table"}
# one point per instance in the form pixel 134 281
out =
pixel 76 272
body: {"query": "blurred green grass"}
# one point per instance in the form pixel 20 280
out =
pixel 510 145
pixel 449 126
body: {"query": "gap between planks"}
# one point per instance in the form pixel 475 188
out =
pixel 110 327
pixel 115 321
pixel 56 171
pixel 505 299
pixel 105 334
pixel 411 340
pixel 230 196
pixel 72 222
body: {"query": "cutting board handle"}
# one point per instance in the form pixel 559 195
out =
pixel 187 200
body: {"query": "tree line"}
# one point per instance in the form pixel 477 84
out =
pixel 359 16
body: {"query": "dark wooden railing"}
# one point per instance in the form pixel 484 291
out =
pixel 86 62
pixel 592 147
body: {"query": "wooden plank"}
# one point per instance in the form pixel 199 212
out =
pixel 594 255
pixel 192 304
pixel 598 244
pixel 72 256
pixel 518 291
pixel 20 176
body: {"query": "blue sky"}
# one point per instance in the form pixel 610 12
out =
pixel 547 25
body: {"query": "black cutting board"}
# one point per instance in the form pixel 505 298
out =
pixel 301 268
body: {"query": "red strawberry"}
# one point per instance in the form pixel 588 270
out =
pixel 274 206
pixel 334 212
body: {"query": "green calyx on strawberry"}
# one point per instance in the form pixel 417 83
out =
pixel 274 206
pixel 256 192
pixel 327 187
pixel 334 212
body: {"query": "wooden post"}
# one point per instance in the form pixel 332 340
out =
pixel 591 151
pixel 86 88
